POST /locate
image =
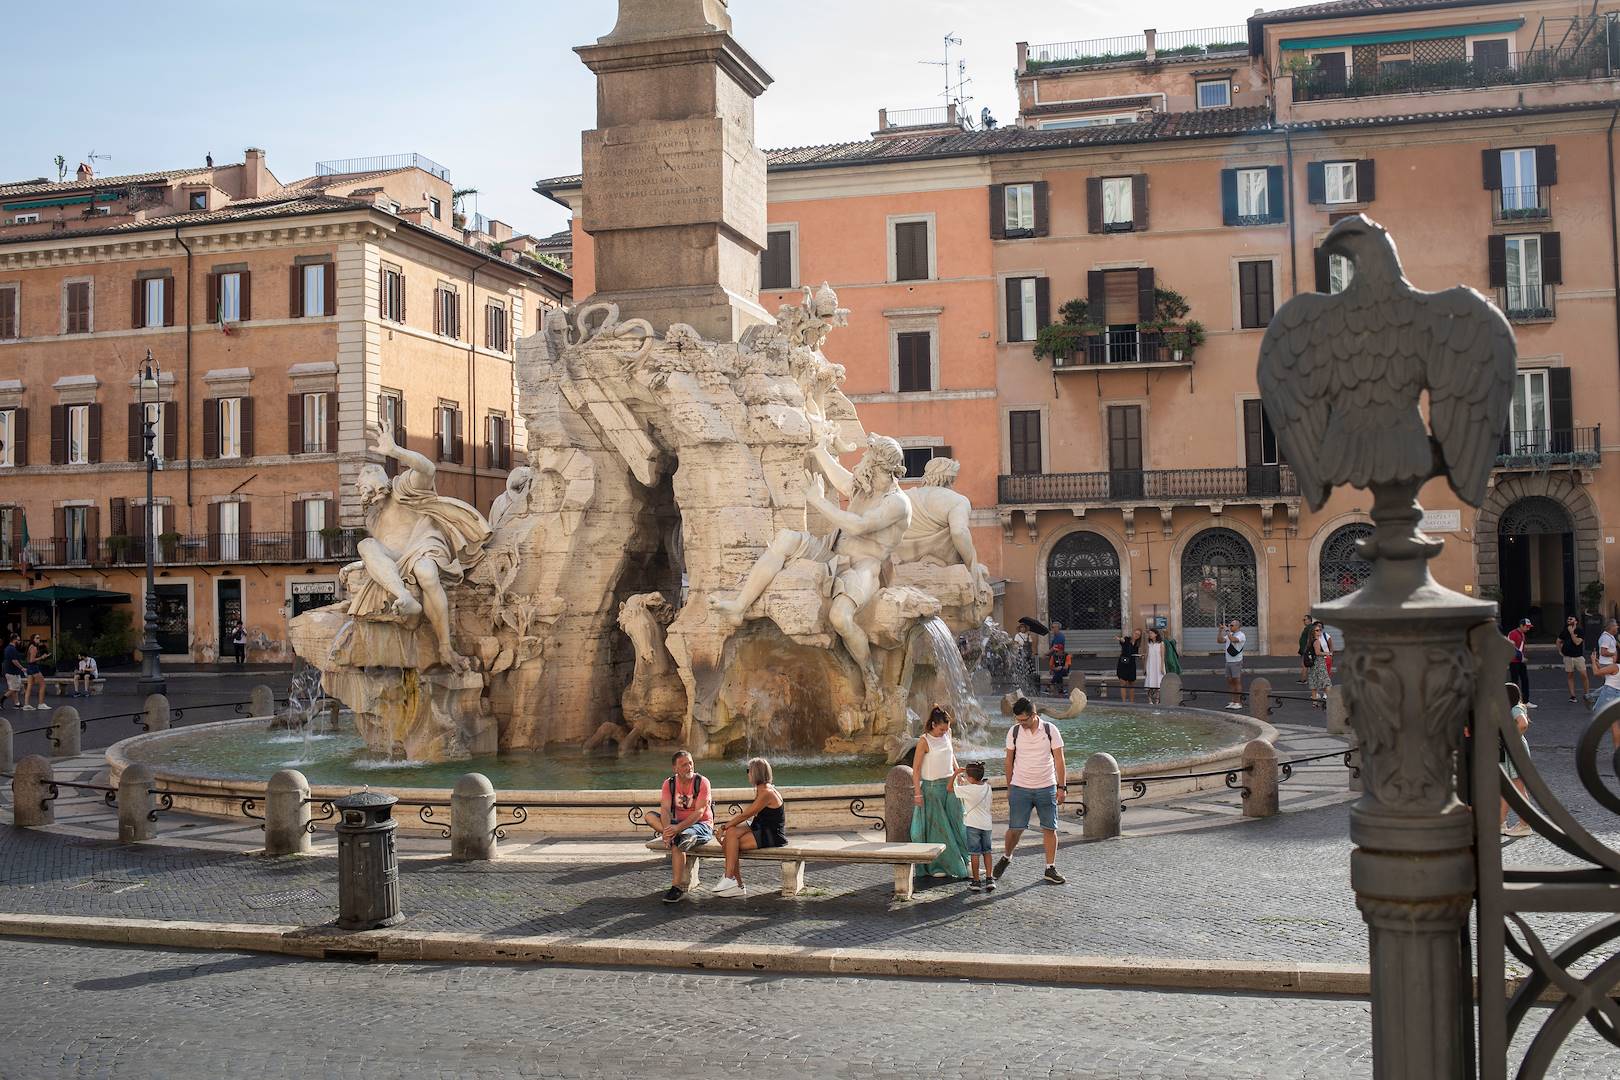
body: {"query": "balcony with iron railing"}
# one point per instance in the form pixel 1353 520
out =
pixel 1526 303
pixel 1156 486
pixel 1512 205
pixel 1536 449
pixel 1147 47
pixel 175 549
pixel 1129 348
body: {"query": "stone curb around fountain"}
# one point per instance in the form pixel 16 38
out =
pixel 404 946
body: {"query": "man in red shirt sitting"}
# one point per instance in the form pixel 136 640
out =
pixel 684 819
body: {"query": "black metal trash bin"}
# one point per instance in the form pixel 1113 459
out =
pixel 368 868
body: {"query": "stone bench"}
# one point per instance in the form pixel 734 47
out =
pixel 903 857
pixel 61 684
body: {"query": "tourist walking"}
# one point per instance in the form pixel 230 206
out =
pixel 1321 676
pixel 12 665
pixel 1521 724
pixel 684 819
pixel 34 670
pixel 1233 638
pixel 239 643
pixel 1572 647
pixel 973 792
pixel 766 827
pixel 1126 668
pixel 1036 781
pixel 936 816
pixel 1517 671
pixel 1305 636
pixel 1153 664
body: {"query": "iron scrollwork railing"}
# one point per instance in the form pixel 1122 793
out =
pixel 327 812
pixel 109 795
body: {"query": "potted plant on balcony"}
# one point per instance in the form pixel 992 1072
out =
pixel 118 546
pixel 1060 341
pixel 170 541
pixel 1185 339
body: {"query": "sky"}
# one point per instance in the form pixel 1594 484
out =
pixel 491 89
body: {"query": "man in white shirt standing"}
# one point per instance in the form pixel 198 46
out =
pixel 1608 666
pixel 1035 782
pixel 1233 638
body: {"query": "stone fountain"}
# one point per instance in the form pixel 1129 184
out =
pixel 686 559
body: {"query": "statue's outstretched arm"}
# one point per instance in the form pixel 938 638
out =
pixel 840 477
pixel 383 443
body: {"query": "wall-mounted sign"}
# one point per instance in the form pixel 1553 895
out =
pixel 1442 521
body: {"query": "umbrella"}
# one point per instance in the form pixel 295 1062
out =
pixel 1035 626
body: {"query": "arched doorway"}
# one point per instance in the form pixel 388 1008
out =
pixel 1340 569
pixel 1083 591
pixel 1536 563
pixel 1218 582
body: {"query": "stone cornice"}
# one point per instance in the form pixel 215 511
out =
pixel 205 240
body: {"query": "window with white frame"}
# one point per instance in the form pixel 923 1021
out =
pixel 154 416
pixel 1524 281
pixel 76 530
pixel 1530 416
pixel 154 520
pixel 1339 179
pixel 911 249
pixel 1089 121
pixel 230 427
pixel 1020 208
pixel 314 521
pixel 152 291
pixel 315 406
pixel 1490 54
pixel 448 415
pixel 393 293
pixel 1024 327
pixel 230 298
pixel 230 530
pixel 25 219
pixel 1118 212
pixel 776 261
pixel 1253 198
pixel 435 207
pixel 8 438
pixel 1519 190
pixel 1340 273
pixel 78 434
pixel 315 290
pixel 1214 93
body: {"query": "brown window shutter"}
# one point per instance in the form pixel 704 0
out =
pixel 1547 165
pixel 295 423
pixel 382 293
pixel 1015 309
pixel 58 434
pixel 246 415
pixel 168 517
pixel 1253 427
pixel 171 434
pixel 93 422
pixel 1315 183
pixel 400 286
pixel 1096 296
pixel 329 300
pixel 20 436
pixel 136 443
pixel 1139 202
pixel 506 445
pixel 137 524
pixel 1094 204
pixel 458 447
pixel 8 314
pixel 244 525
pixel 211 426
pixel 59 523
pixel 297 529
pixel 1496 260
pixel 295 291
pixel 326 514
pixel 332 423
pixel 1145 306
pixel 1265 295
pixel 1043 209
pixel 212 291
pixel 213 531
pixel 1043 302
pixel 92 533
pixel 16 532
pixel 168 301
pixel 1247 316
pixel 438 311
pixel 117 517
pixel 1365 191
pixel 1552 259
pixel 245 290
pixel 998 211
pixel 1491 160
pixel 137 311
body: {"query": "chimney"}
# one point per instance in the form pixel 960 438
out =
pixel 255 177
pixel 500 230
pixel 1023 57
pixel 1151 37
pixel 86 173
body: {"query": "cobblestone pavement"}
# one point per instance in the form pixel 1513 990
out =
pixel 116 1013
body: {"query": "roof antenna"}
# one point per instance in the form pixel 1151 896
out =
pixel 957 96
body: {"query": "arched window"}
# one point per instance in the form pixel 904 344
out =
pixel 1218 582
pixel 1340 569
pixel 1536 515
pixel 1082 589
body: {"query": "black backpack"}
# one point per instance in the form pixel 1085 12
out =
pixel 697 786
pixel 1046 726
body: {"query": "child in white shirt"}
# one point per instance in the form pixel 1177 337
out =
pixel 974 791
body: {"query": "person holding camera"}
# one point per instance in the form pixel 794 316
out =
pixel 1233 637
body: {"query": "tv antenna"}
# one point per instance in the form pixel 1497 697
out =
pixel 92 157
pixel 958 95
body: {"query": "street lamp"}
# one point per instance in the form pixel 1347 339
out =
pixel 151 680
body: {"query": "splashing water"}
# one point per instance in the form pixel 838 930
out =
pixel 306 708
pixel 989 654
pixel 951 687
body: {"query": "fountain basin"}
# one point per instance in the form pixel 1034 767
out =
pixel 211 768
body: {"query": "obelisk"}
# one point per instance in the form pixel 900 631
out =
pixel 674 187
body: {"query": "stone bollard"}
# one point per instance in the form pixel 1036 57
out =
pixel 157 712
pixel 1338 712
pixel 262 701
pixel 8 747
pixel 1261 778
pixel 472 819
pixel 1355 762
pixel 898 791
pixel 1260 698
pixel 31 802
pixel 65 731
pixel 1102 797
pixel 1170 689
pixel 135 804
pixel 286 814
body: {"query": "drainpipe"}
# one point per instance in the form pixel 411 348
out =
pixel 472 374
pixel 182 242
pixel 1614 237
pixel 1293 248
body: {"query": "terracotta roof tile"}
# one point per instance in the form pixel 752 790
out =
pixel 1337 8
pixel 37 187
pixel 253 210
pixel 1140 101
pixel 1455 114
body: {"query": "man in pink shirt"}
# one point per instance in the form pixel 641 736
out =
pixel 1035 783
pixel 684 819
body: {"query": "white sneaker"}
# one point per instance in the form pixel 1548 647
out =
pixel 726 887
pixel 30 708
pixel 1532 705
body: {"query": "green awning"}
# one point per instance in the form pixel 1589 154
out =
pixel 70 200
pixel 62 594
pixel 1427 33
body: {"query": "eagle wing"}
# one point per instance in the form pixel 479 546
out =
pixel 1469 368
pixel 1296 373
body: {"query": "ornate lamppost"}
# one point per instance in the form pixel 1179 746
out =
pixel 151 680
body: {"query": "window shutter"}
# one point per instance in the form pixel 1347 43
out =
pixel 1364 181
pixel 1496 259
pixel 1096 296
pixel 171 430
pixel 1265 301
pixel 213 531
pixel 1492 162
pixel 93 422
pixel 137 434
pixel 1315 183
pixel 1253 428
pixel 438 311
pixel 168 301
pixel 1323 283
pixel 212 292
pixel 400 289
pixel 1139 202
pixel 19 451
pixel 244 526
pixel 382 293
pixel 332 423
pixel 326 513
pixel 245 292
pixel 1043 302
pixel 295 423
pixel 458 445
pixel 245 415
pixel 58 434
pixel 1229 205
pixel 137 311
pixel 1560 406
pixel 329 280
pixel 1248 302
pixel 1144 295
pixel 295 291
pixel 399 422
pixel 489 443
pixel 1276 194
pixel 998 211
pixel 1015 309
pixel 137 524
pixel 211 426
pixel 117 517
pixel 8 313
pixel 1094 204
pixel 59 522
pixel 1552 259
pixel 1546 165
pixel 1043 209
pixel 168 517
pixel 297 530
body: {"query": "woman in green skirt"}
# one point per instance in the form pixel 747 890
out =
pixel 937 817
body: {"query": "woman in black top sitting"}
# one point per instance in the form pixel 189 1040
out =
pixel 766 818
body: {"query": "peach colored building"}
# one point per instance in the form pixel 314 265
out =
pixel 1135 474
pixel 283 318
